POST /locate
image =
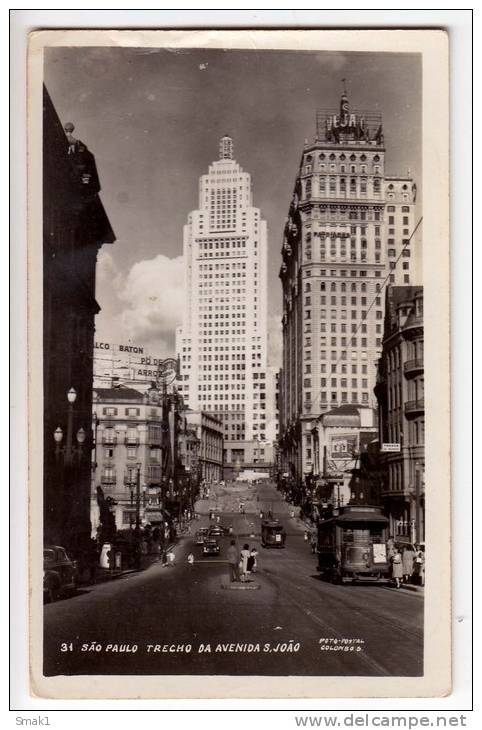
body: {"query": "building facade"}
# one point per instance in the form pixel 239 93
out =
pixel 338 246
pixel 209 432
pixel 223 340
pixel 129 437
pixel 339 438
pixel 400 394
pixel 75 226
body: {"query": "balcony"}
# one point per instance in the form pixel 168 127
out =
pixel 130 480
pixel 413 367
pixel 132 441
pixel 414 407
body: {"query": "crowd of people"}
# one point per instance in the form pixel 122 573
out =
pixel 407 563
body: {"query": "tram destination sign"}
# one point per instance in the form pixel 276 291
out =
pixel 390 448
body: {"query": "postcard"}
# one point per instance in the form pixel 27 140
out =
pixel 239 364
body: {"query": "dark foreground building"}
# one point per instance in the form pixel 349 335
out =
pixel 75 226
pixel 401 409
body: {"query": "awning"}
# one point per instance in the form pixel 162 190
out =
pixel 359 516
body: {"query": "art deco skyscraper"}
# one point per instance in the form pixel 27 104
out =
pixel 223 340
pixel 347 224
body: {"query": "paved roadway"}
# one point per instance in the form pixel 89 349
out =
pixel 170 609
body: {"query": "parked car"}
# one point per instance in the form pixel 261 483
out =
pixel 216 531
pixel 60 573
pixel 201 535
pixel 211 547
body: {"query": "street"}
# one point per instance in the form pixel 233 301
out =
pixel 181 620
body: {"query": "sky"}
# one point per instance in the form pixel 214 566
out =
pixel 153 119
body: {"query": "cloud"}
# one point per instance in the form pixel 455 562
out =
pixel 153 297
pixel 107 271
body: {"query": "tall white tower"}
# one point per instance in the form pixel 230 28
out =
pixel 223 340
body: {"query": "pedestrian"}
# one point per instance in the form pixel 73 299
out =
pixel 397 567
pixel 252 562
pixel 164 558
pixel 419 565
pixel 408 558
pixel 232 555
pixel 170 559
pixel 190 559
pixel 313 542
pixel 243 563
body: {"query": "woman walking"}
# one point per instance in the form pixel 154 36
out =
pixel 252 562
pixel 397 567
pixel 243 564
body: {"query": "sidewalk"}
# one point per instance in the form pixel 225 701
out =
pixel 104 575
pixel 412 587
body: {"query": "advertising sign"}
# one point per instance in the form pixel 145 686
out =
pixel 390 448
pixel 344 446
pixel 132 362
pixel 379 553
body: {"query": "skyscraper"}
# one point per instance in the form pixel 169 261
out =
pixel 347 225
pixel 222 343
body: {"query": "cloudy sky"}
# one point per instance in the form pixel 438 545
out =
pixel 153 118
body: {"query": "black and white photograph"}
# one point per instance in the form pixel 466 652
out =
pixel 232 251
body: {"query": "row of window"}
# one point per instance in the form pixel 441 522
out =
pixel 342 396
pixel 354 301
pixel 334 383
pixel 343 368
pixel 112 411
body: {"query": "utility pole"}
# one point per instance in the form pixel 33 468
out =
pixel 138 502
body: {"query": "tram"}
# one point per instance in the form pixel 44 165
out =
pixel 352 546
pixel 272 534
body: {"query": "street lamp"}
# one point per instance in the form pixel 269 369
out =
pixel 69 450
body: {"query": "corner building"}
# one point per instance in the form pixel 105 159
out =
pixel 337 249
pixel 401 408
pixel 222 343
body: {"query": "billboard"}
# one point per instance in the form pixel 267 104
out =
pixel 344 446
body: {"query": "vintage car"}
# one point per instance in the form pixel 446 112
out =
pixel 210 547
pixel 216 531
pixel 201 535
pixel 60 573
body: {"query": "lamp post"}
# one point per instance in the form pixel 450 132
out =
pixel 68 455
pixel 69 451
pixel 138 501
